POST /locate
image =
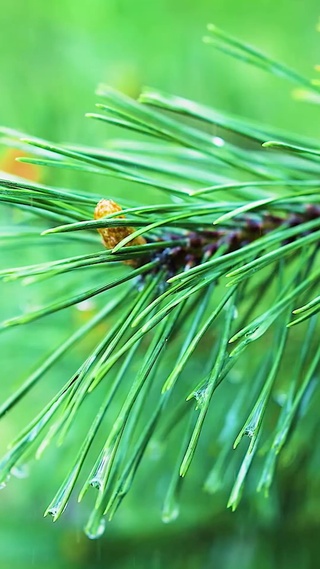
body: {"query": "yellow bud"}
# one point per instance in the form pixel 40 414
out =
pixel 111 236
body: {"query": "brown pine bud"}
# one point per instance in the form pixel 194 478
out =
pixel 111 236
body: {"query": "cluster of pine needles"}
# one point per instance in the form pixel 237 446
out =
pixel 216 301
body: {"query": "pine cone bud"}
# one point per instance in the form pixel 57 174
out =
pixel 111 236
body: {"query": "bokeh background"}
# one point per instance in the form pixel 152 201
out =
pixel 52 56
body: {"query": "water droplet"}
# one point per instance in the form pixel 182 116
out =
pixel 280 398
pixel 200 397
pixel 155 449
pixel 171 513
pixel 251 332
pixel 4 482
pixel 95 482
pixel 95 529
pixel 21 471
pixel 52 511
pixel 57 506
pixel 218 141
pixel 249 432
pixel 97 479
pixel 85 305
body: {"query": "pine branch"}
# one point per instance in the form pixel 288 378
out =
pixel 213 286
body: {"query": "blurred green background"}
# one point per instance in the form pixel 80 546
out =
pixel 52 56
